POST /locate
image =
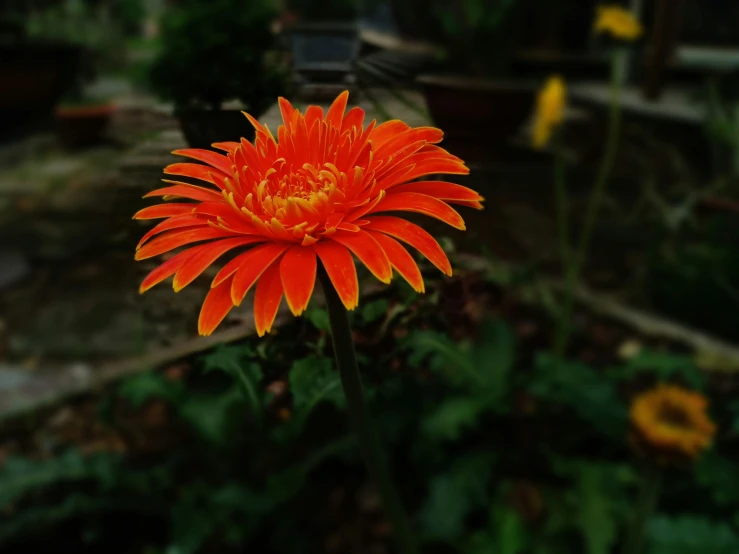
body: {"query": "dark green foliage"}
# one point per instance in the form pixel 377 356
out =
pixel 477 35
pixel 216 51
pixel 252 465
pixel 691 535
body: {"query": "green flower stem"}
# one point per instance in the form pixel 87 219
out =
pixel 563 228
pixel 369 440
pixel 577 262
pixel 646 502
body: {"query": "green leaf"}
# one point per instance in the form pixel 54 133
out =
pixel 212 415
pixel 443 355
pixel 21 476
pixel 314 380
pixel 236 361
pixel 494 356
pixel 721 476
pixel 450 418
pixel 318 318
pixel 509 530
pixel 690 535
pixel 594 510
pixel 592 397
pixel 372 311
pixel 666 367
pixel 454 494
pixel 141 388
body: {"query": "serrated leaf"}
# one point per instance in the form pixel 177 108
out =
pixel 237 361
pixel 664 366
pixel 721 476
pixel 141 388
pixel 318 318
pixel 454 494
pixel 313 380
pixel 595 517
pixel 690 535
pixel 442 355
pixel 450 418
pixel 494 355
pixel 212 415
pixel 374 310
pixel 592 397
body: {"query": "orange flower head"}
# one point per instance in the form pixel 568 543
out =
pixel 670 424
pixel 317 192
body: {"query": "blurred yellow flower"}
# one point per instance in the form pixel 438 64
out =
pixel 671 424
pixel 618 22
pixel 550 107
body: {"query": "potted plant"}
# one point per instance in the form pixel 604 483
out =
pixel 82 119
pixel 214 52
pixel 34 74
pixel 324 43
pixel 472 97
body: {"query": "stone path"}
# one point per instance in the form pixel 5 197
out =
pixel 69 306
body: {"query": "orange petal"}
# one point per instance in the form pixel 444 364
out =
pixel 298 274
pixel 422 204
pixel 167 269
pixel 313 114
pixel 369 252
pixel 185 190
pixel 213 159
pixel 228 146
pixel 387 130
pixel 401 260
pixel 336 112
pixel 215 308
pixel 286 110
pixel 339 264
pixel 415 236
pixel 420 165
pixel 267 299
pixel 442 190
pixel 250 267
pixel 175 222
pixel 353 118
pixel 175 239
pixel 411 136
pixel 164 210
pixel 203 256
pixel 196 171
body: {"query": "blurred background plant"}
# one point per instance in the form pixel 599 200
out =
pixel 213 52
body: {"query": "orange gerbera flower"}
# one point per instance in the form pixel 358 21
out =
pixel 671 424
pixel 314 193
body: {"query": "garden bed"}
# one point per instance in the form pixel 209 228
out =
pixel 490 438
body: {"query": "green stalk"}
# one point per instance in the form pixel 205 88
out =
pixel 369 440
pixel 645 505
pixel 596 199
pixel 563 231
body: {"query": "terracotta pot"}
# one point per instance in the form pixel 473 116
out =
pixel 478 117
pixel 79 126
pixel 205 127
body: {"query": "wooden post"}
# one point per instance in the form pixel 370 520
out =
pixel 662 44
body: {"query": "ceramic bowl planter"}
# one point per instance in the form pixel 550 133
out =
pixel 324 54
